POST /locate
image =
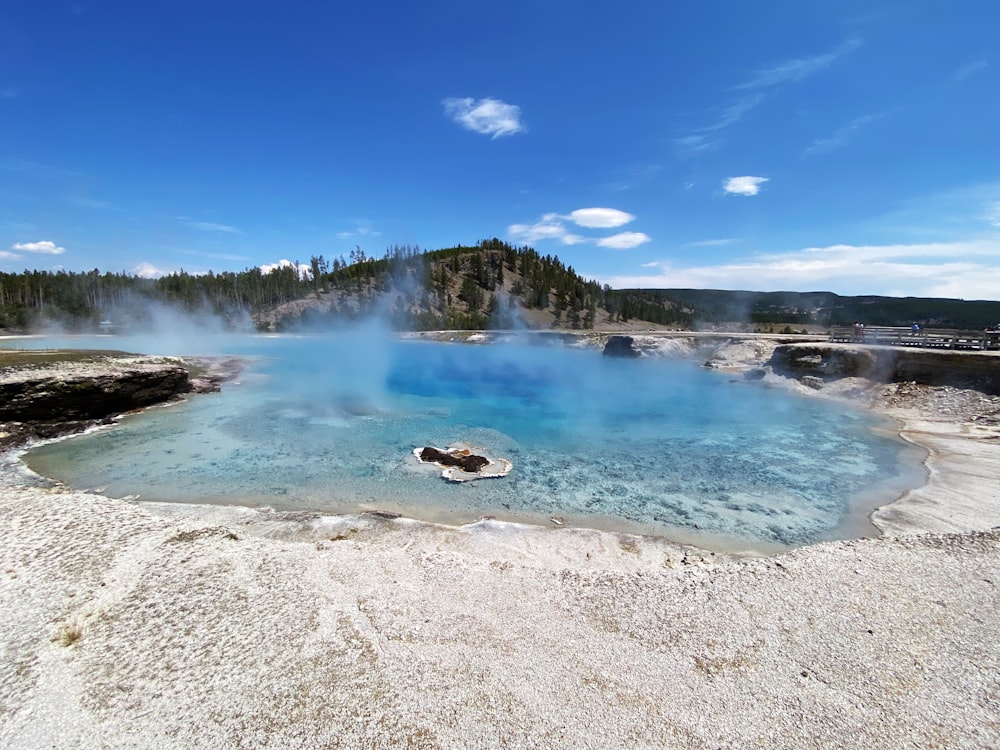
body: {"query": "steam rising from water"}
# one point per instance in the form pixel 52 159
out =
pixel 329 423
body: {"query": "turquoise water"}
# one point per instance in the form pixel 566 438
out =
pixel 329 424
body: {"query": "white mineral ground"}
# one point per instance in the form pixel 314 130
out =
pixel 126 625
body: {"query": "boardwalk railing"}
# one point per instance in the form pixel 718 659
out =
pixel 941 338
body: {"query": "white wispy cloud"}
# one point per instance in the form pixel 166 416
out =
pixel 599 218
pixel 754 91
pixel 993 214
pixel 624 240
pixel 211 226
pixel 86 202
pixel 491 117
pixel 38 169
pixel 9 93
pixel 20 227
pixel 969 70
pixel 4 255
pixel 553 227
pixel 550 227
pixel 841 137
pixel 962 211
pixel 962 269
pixel 712 243
pixel 695 144
pixel 746 185
pixel 362 228
pixel 204 254
pixel 44 247
pixel 735 111
pixel 635 176
pixel 797 69
pixel 709 138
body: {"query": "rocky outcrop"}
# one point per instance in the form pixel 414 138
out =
pixel 621 346
pixel 46 398
pixel 462 459
pixel 62 397
pixel 961 369
pixel 735 354
pixel 461 464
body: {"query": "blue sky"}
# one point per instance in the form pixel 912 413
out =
pixel 825 145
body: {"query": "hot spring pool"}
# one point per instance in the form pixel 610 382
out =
pixel 658 444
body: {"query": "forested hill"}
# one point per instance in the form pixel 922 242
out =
pixel 824 308
pixel 488 285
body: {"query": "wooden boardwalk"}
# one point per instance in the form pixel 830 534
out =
pixel 937 338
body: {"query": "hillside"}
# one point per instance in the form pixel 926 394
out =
pixel 487 285
pixel 823 308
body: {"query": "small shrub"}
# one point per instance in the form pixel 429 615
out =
pixel 68 633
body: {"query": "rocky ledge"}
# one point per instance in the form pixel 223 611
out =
pixel 62 393
pixel 621 347
pixel 815 363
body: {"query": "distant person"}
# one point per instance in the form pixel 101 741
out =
pixel 859 330
pixel 915 328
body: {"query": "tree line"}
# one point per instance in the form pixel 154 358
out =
pixel 826 308
pixel 467 287
pixel 484 285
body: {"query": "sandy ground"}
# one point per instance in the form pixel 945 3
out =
pixel 125 625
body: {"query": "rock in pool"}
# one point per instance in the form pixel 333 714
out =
pixel 460 464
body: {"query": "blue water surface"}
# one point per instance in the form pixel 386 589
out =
pixel 329 423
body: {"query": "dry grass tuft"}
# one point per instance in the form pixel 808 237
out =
pixel 31 358
pixel 68 633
